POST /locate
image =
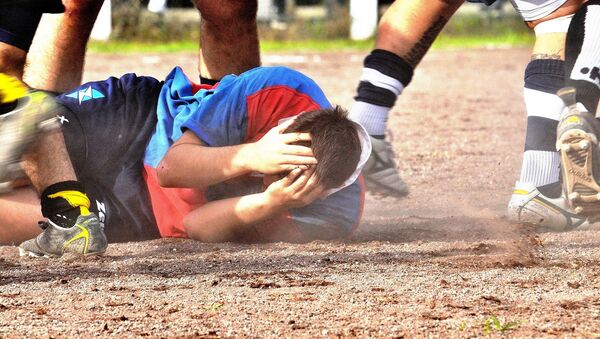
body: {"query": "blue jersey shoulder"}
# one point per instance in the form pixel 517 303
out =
pixel 218 116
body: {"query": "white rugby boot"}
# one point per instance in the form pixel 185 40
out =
pixel 528 206
pixel 381 173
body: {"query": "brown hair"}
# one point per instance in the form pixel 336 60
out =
pixel 335 143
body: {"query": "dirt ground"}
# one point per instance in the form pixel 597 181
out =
pixel 441 262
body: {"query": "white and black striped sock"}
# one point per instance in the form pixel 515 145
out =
pixel 541 161
pixel 540 168
pixel 383 78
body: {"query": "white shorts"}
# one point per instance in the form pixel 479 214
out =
pixel 536 9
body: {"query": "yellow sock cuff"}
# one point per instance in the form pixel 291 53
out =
pixel 75 199
pixel 11 89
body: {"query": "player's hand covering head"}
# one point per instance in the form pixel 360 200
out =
pixel 340 146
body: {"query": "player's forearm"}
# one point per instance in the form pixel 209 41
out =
pixel 194 165
pixel 229 219
pixel 200 166
pixel 409 27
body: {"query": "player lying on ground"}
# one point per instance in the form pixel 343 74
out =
pixel 226 26
pixel 565 54
pixel 234 175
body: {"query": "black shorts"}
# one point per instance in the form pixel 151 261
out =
pixel 107 126
pixel 20 19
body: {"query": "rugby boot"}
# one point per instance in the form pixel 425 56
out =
pixel 30 112
pixel 528 206
pixel 85 238
pixel 577 143
pixel 380 172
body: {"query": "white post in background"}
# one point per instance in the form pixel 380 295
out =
pixel 103 25
pixel 363 15
pixel 157 6
pixel 265 10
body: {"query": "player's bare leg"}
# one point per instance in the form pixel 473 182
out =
pixel 228 37
pixel 18 24
pixel 19 216
pixel 24 113
pixel 57 67
pixel 406 31
pixel 57 56
pixel 70 227
pixel 49 161
pixel 409 27
pixel 537 197
pixel 12 60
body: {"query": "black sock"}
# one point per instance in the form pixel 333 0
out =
pixel 7 107
pixel 64 202
pixel 552 191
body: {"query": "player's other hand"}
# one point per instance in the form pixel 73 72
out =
pixel 275 152
pixel 297 189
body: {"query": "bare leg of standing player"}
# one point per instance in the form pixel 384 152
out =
pixel 70 226
pixel 18 24
pixel 406 31
pixel 228 37
pixel 537 198
pixel 58 67
pixel 28 119
pixel 56 60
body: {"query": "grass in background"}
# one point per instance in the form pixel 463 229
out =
pixel 463 31
pixel 271 46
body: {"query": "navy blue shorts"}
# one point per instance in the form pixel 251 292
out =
pixel 20 19
pixel 107 125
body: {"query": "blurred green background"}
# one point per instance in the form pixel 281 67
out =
pixel 300 25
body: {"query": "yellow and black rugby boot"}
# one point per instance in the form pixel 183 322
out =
pixel 86 238
pixel 529 206
pixel 577 142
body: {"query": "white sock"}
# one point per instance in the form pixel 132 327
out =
pixel 372 117
pixel 540 168
pixel 541 161
pixel 383 78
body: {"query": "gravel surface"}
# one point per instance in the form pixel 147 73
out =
pixel 442 262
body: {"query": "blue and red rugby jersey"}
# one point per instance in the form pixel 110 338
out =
pixel 237 110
